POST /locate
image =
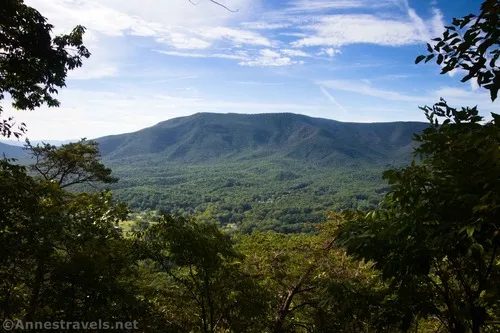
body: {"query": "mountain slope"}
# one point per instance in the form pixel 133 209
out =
pixel 205 137
pixel 11 151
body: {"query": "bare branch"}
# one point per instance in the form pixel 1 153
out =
pixel 217 3
pixel 223 6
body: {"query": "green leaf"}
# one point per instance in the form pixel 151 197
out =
pixel 419 59
pixel 470 230
pixel 429 58
pixel 440 59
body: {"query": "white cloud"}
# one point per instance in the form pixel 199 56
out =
pixel 203 55
pixel 179 24
pixel 236 36
pixel 262 58
pixel 295 53
pixel 270 58
pixel 294 34
pixel 183 41
pixel 339 30
pixel 331 52
pixel 259 25
pixel 323 5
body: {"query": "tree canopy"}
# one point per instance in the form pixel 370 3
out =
pixel 71 164
pixel 471 45
pixel 33 63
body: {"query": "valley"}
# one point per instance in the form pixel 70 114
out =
pixel 281 172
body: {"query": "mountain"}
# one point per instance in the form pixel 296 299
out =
pixel 262 171
pixel 210 137
pixel 14 148
pixel 36 142
pixel 11 151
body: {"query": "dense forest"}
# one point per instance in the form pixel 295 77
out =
pixel 277 172
pixel 420 256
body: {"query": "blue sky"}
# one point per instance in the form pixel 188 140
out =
pixel 152 60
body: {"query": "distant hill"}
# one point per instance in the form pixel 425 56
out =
pixel 21 143
pixel 210 137
pixel 14 148
pixel 11 151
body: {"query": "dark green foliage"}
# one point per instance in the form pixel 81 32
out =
pixel 436 238
pixel 62 258
pixel 471 44
pixel 33 63
pixel 208 291
pixel 255 199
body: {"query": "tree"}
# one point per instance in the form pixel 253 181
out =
pixel 436 236
pixel 71 164
pixel 471 44
pixel 311 285
pixel 206 290
pixel 33 63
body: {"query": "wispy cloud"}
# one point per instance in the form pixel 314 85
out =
pixel 181 26
pixel 203 55
pixel 324 5
pixel 456 96
pixel 363 88
pixel 346 29
pixel 270 58
pixel 295 53
pixel 259 25
pixel 332 99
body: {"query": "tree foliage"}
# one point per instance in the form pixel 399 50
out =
pixel 436 237
pixel 71 164
pixel 33 63
pixel 471 44
pixel 201 263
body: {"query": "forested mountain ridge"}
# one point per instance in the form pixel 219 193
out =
pixel 267 171
pixel 209 136
pixel 204 137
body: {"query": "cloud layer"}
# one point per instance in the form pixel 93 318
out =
pixel 177 27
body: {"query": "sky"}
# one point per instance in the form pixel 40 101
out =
pixel 153 60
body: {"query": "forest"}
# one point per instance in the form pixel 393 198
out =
pixel 419 254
